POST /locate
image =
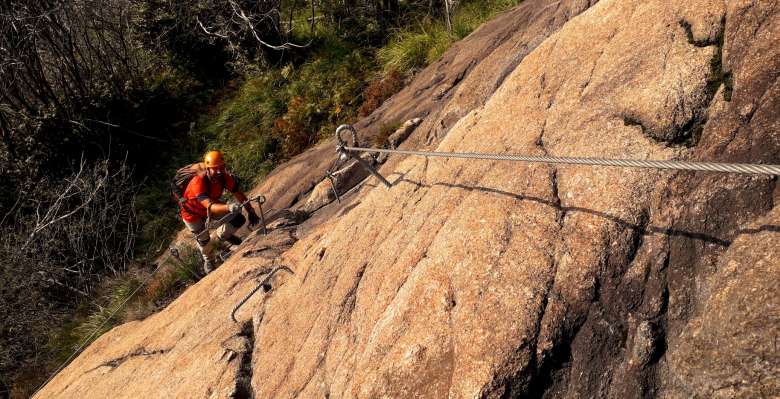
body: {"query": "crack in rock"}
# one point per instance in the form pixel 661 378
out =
pixel 348 303
pixel 140 352
pixel 455 82
pixel 688 134
pixel 243 388
pixel 262 252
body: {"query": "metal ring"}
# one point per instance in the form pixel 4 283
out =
pixel 340 129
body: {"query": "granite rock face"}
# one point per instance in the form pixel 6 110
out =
pixel 492 279
pixel 463 79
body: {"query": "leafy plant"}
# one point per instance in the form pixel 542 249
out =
pixel 278 113
pixel 379 90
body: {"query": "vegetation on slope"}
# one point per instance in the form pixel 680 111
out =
pixel 133 90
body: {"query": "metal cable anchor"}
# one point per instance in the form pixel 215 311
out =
pixel 264 284
pixel 344 153
pixel 332 179
pixel 260 199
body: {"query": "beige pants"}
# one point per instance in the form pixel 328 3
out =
pixel 201 233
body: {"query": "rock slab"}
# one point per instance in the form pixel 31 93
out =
pixel 492 279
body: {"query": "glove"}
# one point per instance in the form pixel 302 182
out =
pixel 253 219
pixel 235 208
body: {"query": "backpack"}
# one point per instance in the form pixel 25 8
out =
pixel 182 178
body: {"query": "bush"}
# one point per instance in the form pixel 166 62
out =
pixel 58 244
pixel 409 50
pixel 379 90
pixel 240 125
pixel 278 113
pixel 106 311
pixel 323 93
pixel 173 278
pixel 119 300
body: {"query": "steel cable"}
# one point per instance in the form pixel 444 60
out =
pixel 631 163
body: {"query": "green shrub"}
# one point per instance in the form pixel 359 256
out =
pixel 280 112
pixel 115 305
pixel 189 269
pixel 240 125
pixel 64 339
pixel 107 314
pixel 410 49
pixel 90 320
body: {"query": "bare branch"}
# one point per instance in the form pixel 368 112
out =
pixel 50 219
pixel 209 32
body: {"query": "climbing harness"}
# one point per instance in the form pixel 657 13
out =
pixel 264 284
pixel 212 224
pixel 351 151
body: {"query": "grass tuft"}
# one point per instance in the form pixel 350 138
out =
pixel 410 50
pixel 111 310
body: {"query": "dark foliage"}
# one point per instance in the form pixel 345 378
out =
pixel 60 238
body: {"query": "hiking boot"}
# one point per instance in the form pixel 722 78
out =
pixel 234 240
pixel 208 266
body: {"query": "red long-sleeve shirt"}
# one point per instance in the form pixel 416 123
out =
pixel 201 188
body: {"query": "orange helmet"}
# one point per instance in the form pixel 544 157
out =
pixel 214 159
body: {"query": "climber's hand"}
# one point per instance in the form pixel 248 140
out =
pixel 253 219
pixel 235 208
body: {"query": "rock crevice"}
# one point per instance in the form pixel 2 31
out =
pixel 243 388
pixel 139 352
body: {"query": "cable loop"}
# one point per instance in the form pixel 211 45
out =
pixel 352 131
pixel 341 144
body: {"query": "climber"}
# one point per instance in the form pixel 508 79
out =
pixel 200 200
